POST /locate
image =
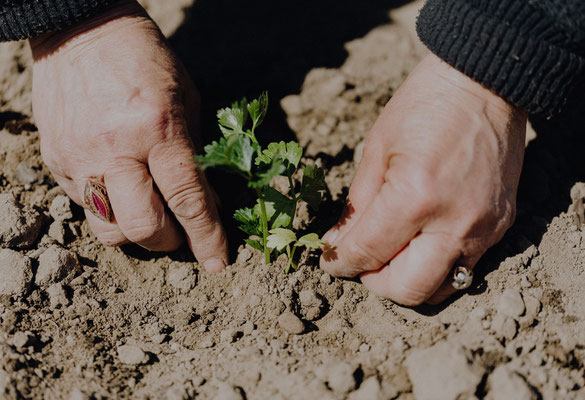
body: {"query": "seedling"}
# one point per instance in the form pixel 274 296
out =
pixel 269 222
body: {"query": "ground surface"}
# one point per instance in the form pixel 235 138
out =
pixel 82 321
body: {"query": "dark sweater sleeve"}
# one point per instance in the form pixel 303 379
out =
pixel 22 19
pixel 530 52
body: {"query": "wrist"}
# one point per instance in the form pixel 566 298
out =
pixel 84 31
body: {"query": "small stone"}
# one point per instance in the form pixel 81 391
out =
pixel 325 279
pixel 21 340
pixel 291 323
pixel 182 277
pixel 25 175
pixel 511 304
pixel 19 226
pixel 57 296
pixel 225 391
pixel 311 304
pixel 57 232
pixel 60 208
pixel 443 371
pixel 533 306
pixel 244 255
pixel 132 355
pixel 340 377
pixel 56 264
pixel 504 383
pixel 16 272
pixel 370 389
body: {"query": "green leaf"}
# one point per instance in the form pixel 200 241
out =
pixel 255 244
pixel 312 185
pixel 290 153
pixel 257 109
pixel 249 221
pixel 279 238
pixel 266 172
pixel 311 241
pixel 234 154
pixel 282 208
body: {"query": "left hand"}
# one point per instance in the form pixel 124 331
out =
pixel 436 186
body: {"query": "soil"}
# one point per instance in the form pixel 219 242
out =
pixel 83 321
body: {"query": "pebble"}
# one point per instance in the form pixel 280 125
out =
pixel 158 339
pixel 225 391
pixel 443 371
pixel 207 343
pixel 16 272
pixel 21 340
pixel 132 355
pixel 57 232
pixel 511 303
pixel 370 389
pixel 325 279
pixel 504 383
pixel 57 296
pixel 25 175
pixel 19 226
pixel 340 377
pixel 182 277
pixel 60 208
pixel 291 323
pixel 228 335
pixel 56 264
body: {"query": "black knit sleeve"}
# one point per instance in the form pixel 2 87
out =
pixel 532 55
pixel 22 19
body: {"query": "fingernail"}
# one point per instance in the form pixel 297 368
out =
pixel 214 265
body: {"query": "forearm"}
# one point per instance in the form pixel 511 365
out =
pixel 524 55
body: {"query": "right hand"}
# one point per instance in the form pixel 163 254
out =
pixel 113 104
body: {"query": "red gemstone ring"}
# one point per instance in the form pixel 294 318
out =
pixel 95 199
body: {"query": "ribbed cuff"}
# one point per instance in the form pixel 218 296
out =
pixel 23 19
pixel 509 48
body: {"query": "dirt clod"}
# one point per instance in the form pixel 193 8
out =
pixel 19 226
pixel 505 383
pixel 511 303
pixel 60 208
pixel 55 265
pixel 443 371
pixel 16 273
pixel 132 355
pixel 291 323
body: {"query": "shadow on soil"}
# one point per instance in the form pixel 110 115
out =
pixel 240 48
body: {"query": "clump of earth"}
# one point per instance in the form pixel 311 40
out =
pixel 82 321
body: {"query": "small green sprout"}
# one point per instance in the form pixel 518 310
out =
pixel 269 222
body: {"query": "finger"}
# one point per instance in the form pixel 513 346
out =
pixel 189 198
pixel 107 233
pixel 139 209
pixel 383 229
pixel 366 184
pixel 417 271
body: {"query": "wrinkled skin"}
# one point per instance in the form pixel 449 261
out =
pixel 436 186
pixel 112 103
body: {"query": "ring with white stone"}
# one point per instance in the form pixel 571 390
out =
pixel 462 278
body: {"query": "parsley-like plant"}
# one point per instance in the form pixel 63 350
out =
pixel 269 222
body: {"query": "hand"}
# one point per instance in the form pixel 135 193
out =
pixel 436 186
pixel 112 103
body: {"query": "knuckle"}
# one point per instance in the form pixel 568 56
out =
pixel 362 256
pixel 142 231
pixel 111 238
pixel 189 204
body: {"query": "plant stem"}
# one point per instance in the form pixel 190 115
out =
pixel 290 253
pixel 295 199
pixel 264 226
